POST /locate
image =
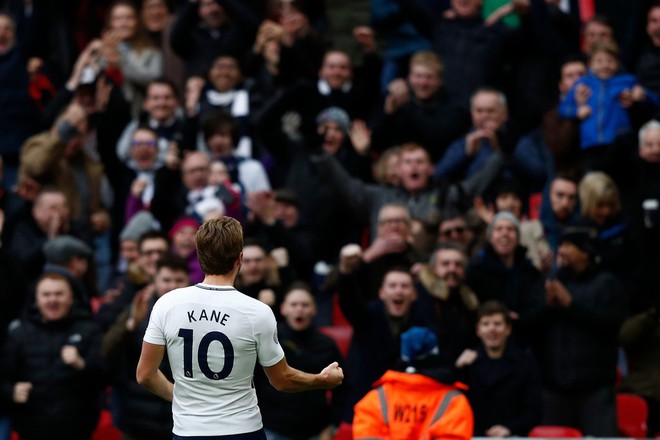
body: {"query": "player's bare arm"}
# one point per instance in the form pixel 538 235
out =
pixel 149 376
pixel 290 380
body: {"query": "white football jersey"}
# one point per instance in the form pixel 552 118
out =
pixel 214 336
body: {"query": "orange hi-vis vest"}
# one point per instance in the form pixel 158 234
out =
pixel 406 406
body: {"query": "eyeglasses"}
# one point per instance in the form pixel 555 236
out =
pixel 196 170
pixel 393 221
pixel 136 143
pixel 449 231
pixel 153 252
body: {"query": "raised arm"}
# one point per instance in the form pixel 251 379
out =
pixel 420 17
pixel 181 36
pixel 362 197
pixel 242 16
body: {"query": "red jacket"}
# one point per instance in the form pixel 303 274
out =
pixel 406 406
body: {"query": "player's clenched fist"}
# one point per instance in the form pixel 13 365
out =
pixel 333 375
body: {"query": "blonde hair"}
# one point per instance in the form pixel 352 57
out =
pixel 428 59
pixel 379 168
pixel 596 187
pixel 608 47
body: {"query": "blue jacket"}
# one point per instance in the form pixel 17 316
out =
pixel 401 36
pixel 608 119
pixel 455 165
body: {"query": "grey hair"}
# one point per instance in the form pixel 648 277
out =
pixel 501 97
pixel 653 124
pixel 395 205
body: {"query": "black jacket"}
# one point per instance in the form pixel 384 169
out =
pixel 376 342
pixel 300 415
pixel 472 53
pixel 577 346
pixel 452 320
pixel 434 124
pixel 505 391
pixel 644 235
pixel 491 279
pixel 64 402
pixel 141 414
pixel 198 45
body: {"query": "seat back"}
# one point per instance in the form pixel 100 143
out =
pixel 631 414
pixel 344 432
pixel 338 318
pixel 342 336
pixel 105 430
pixel 554 431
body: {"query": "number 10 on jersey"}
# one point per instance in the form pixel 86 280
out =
pixel 203 354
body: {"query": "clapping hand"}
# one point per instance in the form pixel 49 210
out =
pixel 72 358
pixel 398 94
pixel 466 358
pixel 557 295
pixel 22 392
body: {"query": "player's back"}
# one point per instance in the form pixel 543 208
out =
pixel 214 336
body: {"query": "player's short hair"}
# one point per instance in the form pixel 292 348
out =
pixel 219 244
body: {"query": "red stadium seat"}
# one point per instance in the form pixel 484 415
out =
pixel 535 202
pixel 105 430
pixel 344 432
pixel 338 318
pixel 553 431
pixel 631 414
pixel 342 336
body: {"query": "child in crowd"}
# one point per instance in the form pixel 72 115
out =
pixel 600 100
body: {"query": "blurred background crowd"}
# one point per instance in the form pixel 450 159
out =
pixel 489 169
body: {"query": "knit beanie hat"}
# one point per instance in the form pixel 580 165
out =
pixel 138 225
pixel 503 215
pixel 417 345
pixel 583 237
pixel 182 223
pixel 335 114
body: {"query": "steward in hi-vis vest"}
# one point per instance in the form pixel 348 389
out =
pixel 420 404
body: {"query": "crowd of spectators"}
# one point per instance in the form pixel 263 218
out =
pixel 487 169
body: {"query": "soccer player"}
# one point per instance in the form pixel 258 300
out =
pixel 213 335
